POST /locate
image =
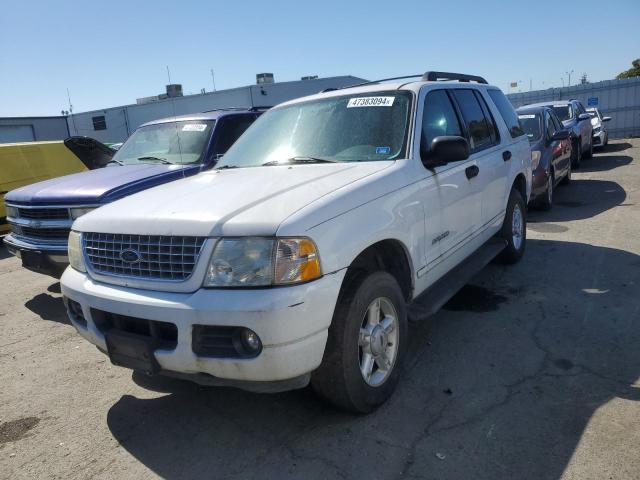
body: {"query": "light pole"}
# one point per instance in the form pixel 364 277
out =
pixel 569 74
pixel 562 78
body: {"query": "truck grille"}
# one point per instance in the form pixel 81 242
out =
pixel 61 234
pixel 142 256
pixel 44 213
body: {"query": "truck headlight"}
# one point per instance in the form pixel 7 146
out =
pixel 78 212
pixel 12 212
pixel 260 262
pixel 76 259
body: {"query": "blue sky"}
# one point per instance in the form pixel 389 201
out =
pixel 109 53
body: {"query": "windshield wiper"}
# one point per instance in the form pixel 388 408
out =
pixel 225 167
pixel 161 160
pixel 113 160
pixel 299 160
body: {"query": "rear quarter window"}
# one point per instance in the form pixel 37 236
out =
pixel 507 112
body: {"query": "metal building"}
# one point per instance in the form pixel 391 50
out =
pixel 115 124
pixel 29 129
pixel 618 99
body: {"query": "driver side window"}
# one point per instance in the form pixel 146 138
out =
pixel 438 119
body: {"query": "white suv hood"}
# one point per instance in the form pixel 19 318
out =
pixel 234 202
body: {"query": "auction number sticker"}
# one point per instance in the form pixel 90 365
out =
pixel 526 116
pixel 194 127
pixel 370 102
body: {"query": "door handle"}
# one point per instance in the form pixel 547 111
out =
pixel 471 171
pixel 506 155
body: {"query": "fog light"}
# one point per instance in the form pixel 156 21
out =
pixel 250 340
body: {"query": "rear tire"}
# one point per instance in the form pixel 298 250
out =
pixel 342 377
pixel 514 229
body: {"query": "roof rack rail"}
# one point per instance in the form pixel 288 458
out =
pixel 461 77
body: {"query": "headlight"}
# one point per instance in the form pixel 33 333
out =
pixel 535 159
pixel 76 259
pixel 259 262
pixel 12 212
pixel 78 212
pixel 597 129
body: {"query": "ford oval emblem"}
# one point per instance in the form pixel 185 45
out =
pixel 130 256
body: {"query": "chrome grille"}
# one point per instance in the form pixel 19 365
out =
pixel 61 234
pixel 158 257
pixel 44 213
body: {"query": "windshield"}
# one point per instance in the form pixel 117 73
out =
pixel 564 112
pixel 531 126
pixel 350 128
pixel 172 142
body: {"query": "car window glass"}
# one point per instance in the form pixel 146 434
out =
pixel 551 128
pixel 438 119
pixel 474 118
pixel 493 130
pixel 229 130
pixel 556 121
pixel 507 112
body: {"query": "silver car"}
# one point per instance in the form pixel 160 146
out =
pixel 599 124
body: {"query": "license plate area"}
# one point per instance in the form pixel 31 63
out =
pixel 33 260
pixel 133 351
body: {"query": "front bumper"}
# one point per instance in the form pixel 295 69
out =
pixel 539 180
pixel 292 323
pixel 598 138
pixel 50 259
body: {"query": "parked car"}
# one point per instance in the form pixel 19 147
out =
pixel 293 261
pixel 598 122
pixel 550 152
pixel 40 215
pixel 574 117
pixel 31 162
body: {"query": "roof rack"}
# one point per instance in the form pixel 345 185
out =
pixel 426 77
pixel 461 77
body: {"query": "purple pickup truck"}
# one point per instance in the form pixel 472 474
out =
pixel 40 215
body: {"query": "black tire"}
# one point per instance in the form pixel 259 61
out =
pixel 511 253
pixel 339 379
pixel 546 200
pixel 606 140
pixel 576 153
pixel 566 180
pixel 589 152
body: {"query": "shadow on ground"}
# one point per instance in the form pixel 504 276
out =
pixel 4 253
pixel 48 307
pixel 503 390
pixel 616 146
pixel 601 163
pixel 581 199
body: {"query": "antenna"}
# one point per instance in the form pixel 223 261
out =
pixel 168 75
pixel 213 79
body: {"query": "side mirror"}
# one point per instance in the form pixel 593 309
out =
pixel 561 135
pixel 445 149
pixel 606 119
pixel 584 116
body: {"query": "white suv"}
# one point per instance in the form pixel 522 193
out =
pixel 297 259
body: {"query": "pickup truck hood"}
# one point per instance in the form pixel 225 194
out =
pixel 235 202
pixel 98 186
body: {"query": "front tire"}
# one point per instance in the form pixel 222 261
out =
pixel 546 202
pixel 514 229
pixel 567 178
pixel 576 153
pixel 366 344
pixel 589 152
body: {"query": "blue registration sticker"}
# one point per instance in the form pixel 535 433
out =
pixel 383 150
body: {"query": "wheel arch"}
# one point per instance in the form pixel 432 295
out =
pixel 389 255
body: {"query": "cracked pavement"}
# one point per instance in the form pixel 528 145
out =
pixel 531 373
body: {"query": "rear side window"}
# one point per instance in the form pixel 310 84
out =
pixel 551 128
pixel 507 112
pixel 480 130
pixel 439 118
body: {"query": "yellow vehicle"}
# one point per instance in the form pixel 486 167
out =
pixel 26 163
